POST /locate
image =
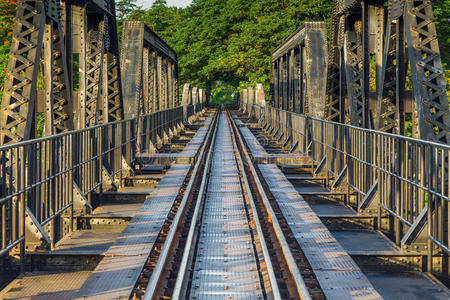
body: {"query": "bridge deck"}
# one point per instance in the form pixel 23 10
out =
pixel 306 198
pixel 225 262
pixel 369 246
pixel 125 252
pixel 186 156
pixel 117 273
pixel 45 285
pixel 339 276
pixel 260 155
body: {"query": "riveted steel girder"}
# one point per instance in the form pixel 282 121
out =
pixel 405 38
pixel 149 68
pixel 298 68
pixel 46 36
pixel 37 24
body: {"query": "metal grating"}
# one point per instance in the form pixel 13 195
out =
pixel 225 265
pixel 252 142
pixel 339 276
pixel 260 155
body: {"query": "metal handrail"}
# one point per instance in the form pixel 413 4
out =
pixel 38 176
pixel 411 175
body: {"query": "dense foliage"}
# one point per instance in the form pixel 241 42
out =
pixel 7 15
pixel 441 10
pixel 225 45
pixel 229 41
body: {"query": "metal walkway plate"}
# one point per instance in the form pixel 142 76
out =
pixel 252 142
pixel 85 242
pixel 44 285
pixel 225 266
pixel 339 276
pixel 116 275
pixel 261 156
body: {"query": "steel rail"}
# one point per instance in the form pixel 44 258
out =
pixel 162 260
pixel 271 273
pixel 190 244
pixel 298 279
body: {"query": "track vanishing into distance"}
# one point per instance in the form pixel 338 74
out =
pixel 222 238
pixel 322 189
pixel 219 219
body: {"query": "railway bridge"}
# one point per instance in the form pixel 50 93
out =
pixel 117 183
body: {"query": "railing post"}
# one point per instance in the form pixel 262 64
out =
pixel 430 210
pixel 186 101
pixel 380 187
pixel 22 215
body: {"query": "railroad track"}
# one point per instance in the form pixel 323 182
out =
pixel 225 237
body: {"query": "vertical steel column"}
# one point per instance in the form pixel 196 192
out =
pixel 131 67
pixel 168 85
pixel 245 100
pixel 145 81
pixel 176 93
pixel 19 96
pixel 160 81
pixel 186 101
pixel 273 84
pixel 315 64
pixel 291 79
pixel 365 65
pixel 426 70
pixel 285 69
pixel 302 79
pixel 354 60
pixel 335 102
pixel 195 99
pixel 297 80
pixel 390 106
pixel 155 88
pixel 92 76
pixel 280 83
pixel 113 88
pixel 77 33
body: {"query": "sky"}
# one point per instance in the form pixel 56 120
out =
pixel 178 3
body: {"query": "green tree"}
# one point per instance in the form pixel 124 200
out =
pixel 228 41
pixel 124 8
pixel 8 9
pixel 441 10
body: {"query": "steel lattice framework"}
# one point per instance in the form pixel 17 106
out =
pixel 56 43
pixel 298 68
pixel 151 67
pixel 396 36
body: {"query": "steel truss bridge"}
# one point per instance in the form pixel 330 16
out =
pixel 335 186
